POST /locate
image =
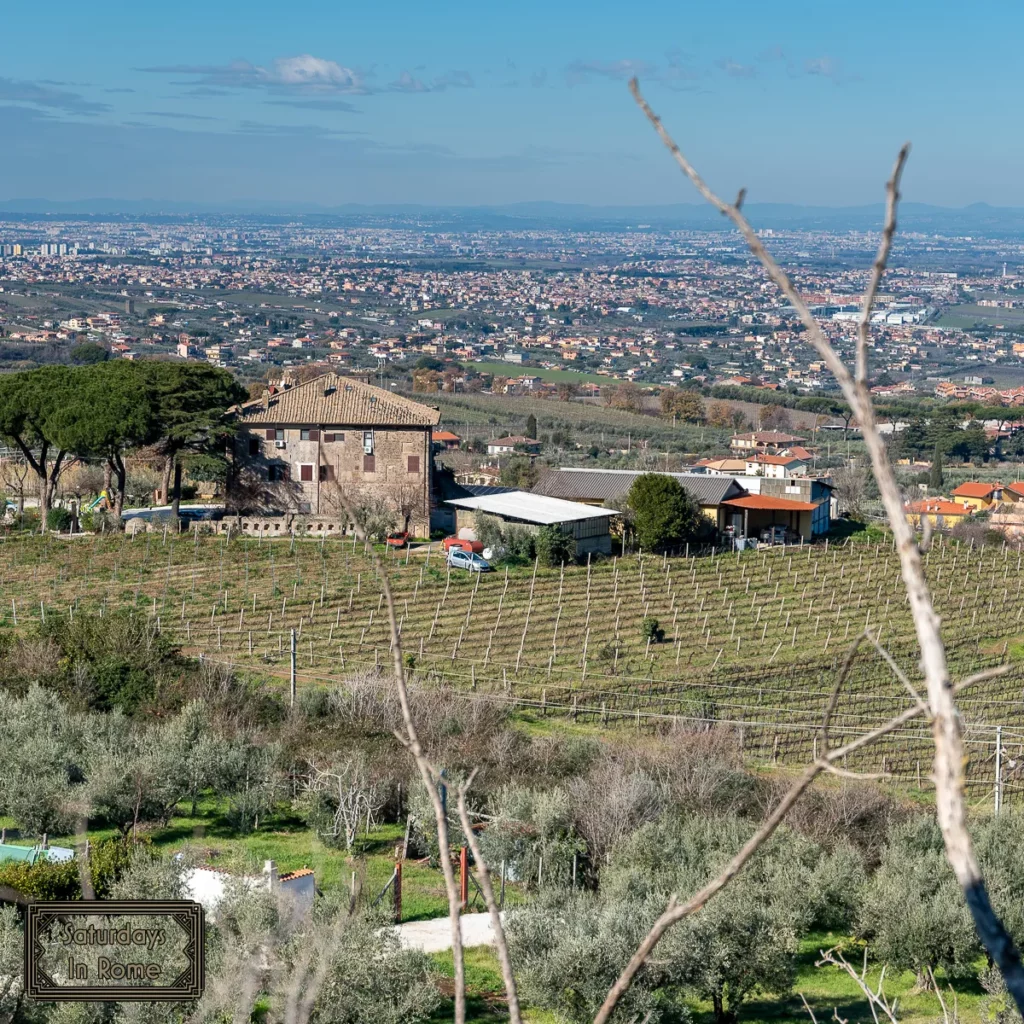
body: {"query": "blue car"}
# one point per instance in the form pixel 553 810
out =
pixel 459 559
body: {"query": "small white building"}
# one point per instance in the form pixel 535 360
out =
pixel 589 526
pixel 208 886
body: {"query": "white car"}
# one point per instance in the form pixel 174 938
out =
pixel 459 559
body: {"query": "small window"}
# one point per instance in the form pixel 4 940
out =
pixel 305 471
pixel 254 446
pixel 369 464
pixel 271 434
pixel 326 473
pixel 328 438
pixel 414 463
pixel 277 473
pixel 368 442
pixel 314 435
pixel 304 435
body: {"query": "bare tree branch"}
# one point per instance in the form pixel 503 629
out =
pixel 427 772
pixel 897 671
pixel 676 911
pixel 948 766
pixel 876 998
pixel 892 198
pixel 484 877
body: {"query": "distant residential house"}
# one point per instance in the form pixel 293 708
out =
pixel 480 476
pixel 768 442
pixel 721 467
pixel 1013 493
pixel 506 445
pixel 937 511
pixel 779 466
pixel 446 440
pixel 300 448
pixel 978 496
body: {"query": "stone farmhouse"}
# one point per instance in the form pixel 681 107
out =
pixel 308 448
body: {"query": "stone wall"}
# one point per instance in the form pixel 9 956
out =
pixel 335 462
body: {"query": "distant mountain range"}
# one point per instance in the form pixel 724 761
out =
pixel 979 218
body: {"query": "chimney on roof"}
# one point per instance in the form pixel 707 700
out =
pixel 270 873
pixel 266 400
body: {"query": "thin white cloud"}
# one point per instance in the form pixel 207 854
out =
pixel 44 95
pixel 303 74
pixel 734 69
pixel 408 82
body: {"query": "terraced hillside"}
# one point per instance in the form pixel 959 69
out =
pixel 751 641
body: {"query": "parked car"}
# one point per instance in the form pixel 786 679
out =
pixel 398 540
pixel 460 543
pixel 459 559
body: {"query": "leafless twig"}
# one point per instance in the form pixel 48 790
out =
pixel 676 911
pixel 876 997
pixel 484 878
pixel 948 766
pixel 411 741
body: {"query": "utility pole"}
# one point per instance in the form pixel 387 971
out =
pixel 291 672
pixel 999 769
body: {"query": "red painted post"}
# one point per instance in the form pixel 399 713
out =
pixel 398 892
pixel 464 876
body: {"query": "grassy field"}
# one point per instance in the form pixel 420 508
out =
pixel 825 988
pixel 588 423
pixel 750 641
pixel 967 315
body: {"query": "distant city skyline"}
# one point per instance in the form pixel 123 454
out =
pixel 486 104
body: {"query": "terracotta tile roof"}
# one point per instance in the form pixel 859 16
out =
pixel 972 489
pixel 1017 488
pixel 773 460
pixel 938 507
pixel 295 874
pixel 336 401
pixel 766 503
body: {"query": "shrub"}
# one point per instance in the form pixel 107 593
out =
pixel 43 880
pixel 914 914
pixel 650 629
pixel 59 520
pixel 554 547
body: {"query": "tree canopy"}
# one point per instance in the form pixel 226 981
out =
pixel 663 513
pixel 99 411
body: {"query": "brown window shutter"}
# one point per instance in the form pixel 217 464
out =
pixel 314 435
pixel 306 471
pixel 271 434
pixel 369 463
pixel 328 438
pixel 414 463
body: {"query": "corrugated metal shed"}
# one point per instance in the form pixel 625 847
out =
pixel 532 508
pixel 613 485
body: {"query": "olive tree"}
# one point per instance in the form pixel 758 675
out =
pixel 914 916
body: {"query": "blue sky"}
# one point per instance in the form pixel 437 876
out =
pixel 473 103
